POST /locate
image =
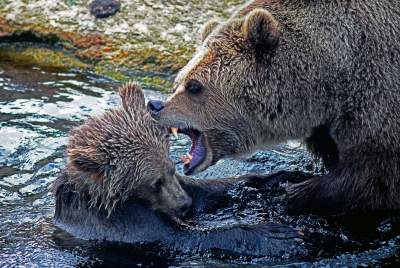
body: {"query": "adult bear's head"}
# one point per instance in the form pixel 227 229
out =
pixel 215 95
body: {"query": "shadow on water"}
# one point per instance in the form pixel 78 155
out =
pixel 38 108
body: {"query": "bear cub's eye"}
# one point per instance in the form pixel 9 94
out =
pixel 194 87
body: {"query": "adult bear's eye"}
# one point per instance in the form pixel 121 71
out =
pixel 194 87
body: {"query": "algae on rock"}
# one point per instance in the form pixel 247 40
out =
pixel 147 35
pixel 42 57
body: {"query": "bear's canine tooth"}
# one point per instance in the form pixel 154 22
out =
pixel 174 131
pixel 186 159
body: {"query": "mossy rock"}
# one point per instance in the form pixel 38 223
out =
pixel 41 57
pixel 145 36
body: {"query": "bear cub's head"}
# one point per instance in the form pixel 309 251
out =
pixel 124 154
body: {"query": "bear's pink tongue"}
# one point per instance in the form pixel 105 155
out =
pixel 197 152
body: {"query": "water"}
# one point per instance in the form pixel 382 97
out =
pixel 38 108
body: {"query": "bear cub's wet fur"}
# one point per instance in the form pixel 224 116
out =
pixel 122 155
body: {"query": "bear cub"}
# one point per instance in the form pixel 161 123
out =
pixel 122 155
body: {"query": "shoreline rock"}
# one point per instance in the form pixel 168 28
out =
pixel 143 36
pixel 104 8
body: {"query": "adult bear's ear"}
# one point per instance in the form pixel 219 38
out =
pixel 132 97
pixel 261 29
pixel 208 28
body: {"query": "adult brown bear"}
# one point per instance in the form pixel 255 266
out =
pixel 323 71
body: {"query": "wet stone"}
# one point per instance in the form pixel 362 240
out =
pixel 104 8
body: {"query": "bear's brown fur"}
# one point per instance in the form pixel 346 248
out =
pixel 124 154
pixel 120 159
pixel 323 71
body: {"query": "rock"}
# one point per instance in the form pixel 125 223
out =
pixel 104 8
pixel 154 47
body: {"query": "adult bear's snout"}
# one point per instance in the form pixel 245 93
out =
pixel 155 106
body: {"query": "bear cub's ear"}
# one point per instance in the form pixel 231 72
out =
pixel 87 159
pixel 132 97
pixel 208 28
pixel 261 29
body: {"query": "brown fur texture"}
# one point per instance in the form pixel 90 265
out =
pixel 208 28
pixel 124 154
pixel 323 71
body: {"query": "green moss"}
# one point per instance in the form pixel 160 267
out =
pixel 169 61
pixel 158 50
pixel 111 73
pixel 70 2
pixel 42 57
pixel 156 82
pixel 3 3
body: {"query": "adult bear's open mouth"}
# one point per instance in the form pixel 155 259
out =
pixel 199 156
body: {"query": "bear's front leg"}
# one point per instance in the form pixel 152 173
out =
pixel 366 180
pixel 313 196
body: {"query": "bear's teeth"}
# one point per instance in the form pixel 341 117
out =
pixel 186 159
pixel 174 131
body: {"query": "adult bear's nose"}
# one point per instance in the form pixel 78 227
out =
pixel 155 106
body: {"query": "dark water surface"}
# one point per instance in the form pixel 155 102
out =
pixel 38 108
